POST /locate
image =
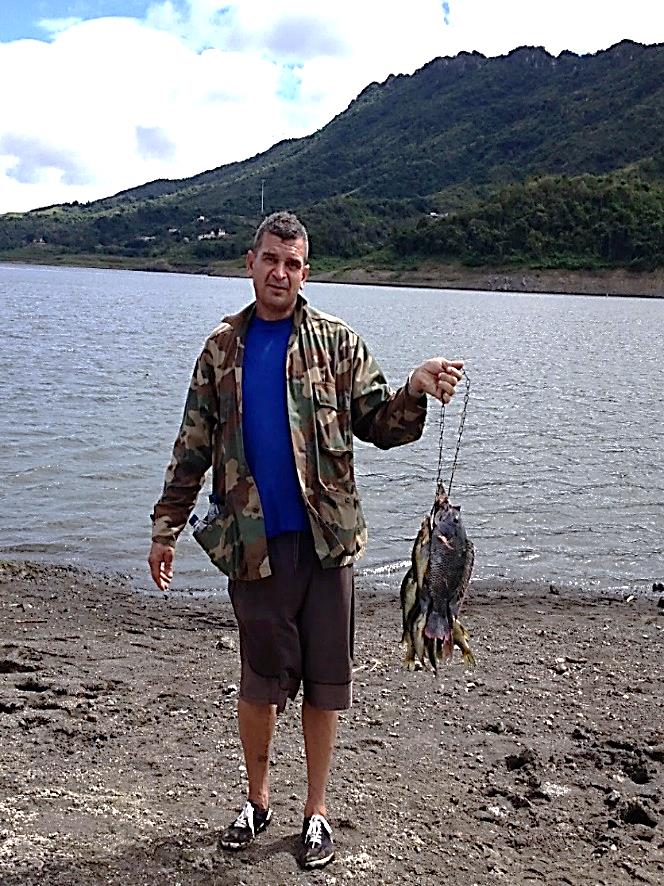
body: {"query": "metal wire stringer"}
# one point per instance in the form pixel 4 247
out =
pixel 462 422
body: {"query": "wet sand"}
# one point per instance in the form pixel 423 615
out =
pixel 120 762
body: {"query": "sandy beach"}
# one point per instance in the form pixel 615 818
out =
pixel 120 762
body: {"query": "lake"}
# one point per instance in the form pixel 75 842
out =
pixel 561 470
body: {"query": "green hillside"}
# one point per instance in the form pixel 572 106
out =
pixel 555 222
pixel 447 140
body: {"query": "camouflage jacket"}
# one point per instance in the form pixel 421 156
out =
pixel 335 389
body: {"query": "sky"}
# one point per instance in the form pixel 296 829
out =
pixel 101 95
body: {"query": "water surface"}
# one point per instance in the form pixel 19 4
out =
pixel 561 469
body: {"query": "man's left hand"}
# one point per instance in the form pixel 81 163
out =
pixel 437 377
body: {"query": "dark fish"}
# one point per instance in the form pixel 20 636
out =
pixel 442 563
pixel 451 560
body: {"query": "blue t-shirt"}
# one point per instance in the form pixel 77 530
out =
pixel 265 426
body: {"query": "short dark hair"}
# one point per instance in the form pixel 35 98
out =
pixel 284 225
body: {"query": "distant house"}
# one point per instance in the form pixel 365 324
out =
pixel 219 234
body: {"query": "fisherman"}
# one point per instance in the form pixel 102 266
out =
pixel 275 398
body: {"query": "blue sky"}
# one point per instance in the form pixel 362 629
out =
pixel 102 95
pixel 20 18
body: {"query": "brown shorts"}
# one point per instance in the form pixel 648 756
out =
pixel 296 626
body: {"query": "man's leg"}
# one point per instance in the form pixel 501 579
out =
pixel 256 727
pixel 326 631
pixel 256 723
pixel 320 731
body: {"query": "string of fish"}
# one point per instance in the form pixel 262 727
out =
pixel 441 565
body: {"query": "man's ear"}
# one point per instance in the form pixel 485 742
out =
pixel 249 260
pixel 305 273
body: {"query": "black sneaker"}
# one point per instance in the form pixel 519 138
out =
pixel 317 848
pixel 250 822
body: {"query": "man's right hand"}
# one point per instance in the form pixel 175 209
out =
pixel 160 559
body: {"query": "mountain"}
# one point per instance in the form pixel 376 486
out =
pixel 442 140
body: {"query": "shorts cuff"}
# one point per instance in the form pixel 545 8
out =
pixel 328 696
pixel 266 690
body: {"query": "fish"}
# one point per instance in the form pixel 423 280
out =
pixel 408 596
pixel 434 587
pixel 412 580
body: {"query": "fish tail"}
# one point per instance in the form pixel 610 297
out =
pixel 409 653
pixel 430 646
pixel 416 635
pixel 447 648
pixel 460 638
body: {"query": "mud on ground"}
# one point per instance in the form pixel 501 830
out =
pixel 120 762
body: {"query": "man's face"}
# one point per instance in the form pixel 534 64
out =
pixel 278 270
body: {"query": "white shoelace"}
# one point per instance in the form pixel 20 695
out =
pixel 245 818
pixel 315 830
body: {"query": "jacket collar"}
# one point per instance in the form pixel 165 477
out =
pixel 240 322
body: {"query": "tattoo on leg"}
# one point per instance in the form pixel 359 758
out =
pixel 262 758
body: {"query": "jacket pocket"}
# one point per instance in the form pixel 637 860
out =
pixel 333 431
pixel 334 442
pixel 212 534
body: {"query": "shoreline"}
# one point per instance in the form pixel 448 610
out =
pixel 429 275
pixel 384 582
pixel 605 283
pixel 120 761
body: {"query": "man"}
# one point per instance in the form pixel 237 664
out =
pixel 275 398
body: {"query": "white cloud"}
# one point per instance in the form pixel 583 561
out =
pixel 129 104
pixel 110 103
pixel 494 27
